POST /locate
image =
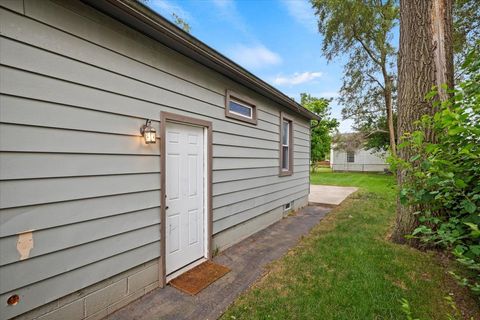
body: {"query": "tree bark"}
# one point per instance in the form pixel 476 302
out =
pixel 389 106
pixel 425 60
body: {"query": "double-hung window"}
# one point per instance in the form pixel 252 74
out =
pixel 286 145
pixel 350 156
pixel 240 108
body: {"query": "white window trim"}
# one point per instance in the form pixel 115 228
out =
pixel 286 145
pixel 289 170
pixel 243 105
pixel 243 101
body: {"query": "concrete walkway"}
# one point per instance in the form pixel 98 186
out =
pixel 247 260
pixel 329 195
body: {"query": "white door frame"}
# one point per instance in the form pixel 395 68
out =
pixel 208 221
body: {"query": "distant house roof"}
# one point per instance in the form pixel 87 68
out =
pixel 145 20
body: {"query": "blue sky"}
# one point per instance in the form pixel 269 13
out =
pixel 277 40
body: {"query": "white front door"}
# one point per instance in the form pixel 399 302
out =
pixel 185 219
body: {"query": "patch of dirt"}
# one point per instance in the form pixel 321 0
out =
pixel 396 282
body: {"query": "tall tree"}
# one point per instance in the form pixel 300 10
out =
pixel 364 30
pixel 466 32
pixel 425 60
pixel 320 129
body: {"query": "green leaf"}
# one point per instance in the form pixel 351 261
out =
pixel 472 226
pixel 455 130
pixel 403 196
pixel 475 249
pixel 459 250
pixel 469 206
pixel 421 229
pixel 475 233
pixel 414 158
pixel 460 183
pixel 431 95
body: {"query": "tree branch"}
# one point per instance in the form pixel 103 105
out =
pixel 375 131
pixel 367 49
pixel 375 80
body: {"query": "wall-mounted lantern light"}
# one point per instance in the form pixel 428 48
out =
pixel 149 133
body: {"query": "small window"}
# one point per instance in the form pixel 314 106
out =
pixel 286 149
pixel 285 145
pixel 236 107
pixel 240 108
pixel 288 206
pixel 350 156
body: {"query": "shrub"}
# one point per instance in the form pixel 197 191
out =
pixel 444 176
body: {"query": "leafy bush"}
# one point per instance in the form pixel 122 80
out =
pixel 454 314
pixel 444 176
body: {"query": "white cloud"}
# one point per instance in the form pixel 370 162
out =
pixel 166 8
pixel 227 10
pixel 302 11
pixel 297 78
pixel 254 57
pixel 224 4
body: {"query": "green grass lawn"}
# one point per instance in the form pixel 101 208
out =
pixel 346 268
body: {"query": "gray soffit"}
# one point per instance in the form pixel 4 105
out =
pixel 145 20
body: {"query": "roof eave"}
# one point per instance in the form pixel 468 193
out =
pixel 145 20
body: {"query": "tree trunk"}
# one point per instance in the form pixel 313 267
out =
pixel 388 104
pixel 425 60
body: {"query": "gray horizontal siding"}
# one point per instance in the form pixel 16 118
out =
pixel 71 235
pixel 226 216
pixel 50 289
pixel 27 165
pixel 17 275
pixel 244 184
pixel 76 87
pixel 38 217
pixel 16 193
pixel 13 5
pixel 66 93
pixel 20 110
pixel 242 174
pixel 240 196
pixel 268 202
pixel 41 139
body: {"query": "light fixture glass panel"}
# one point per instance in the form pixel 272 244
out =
pixel 150 136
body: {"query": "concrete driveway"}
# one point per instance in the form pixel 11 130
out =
pixel 247 260
pixel 329 195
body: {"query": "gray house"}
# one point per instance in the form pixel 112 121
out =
pixel 130 151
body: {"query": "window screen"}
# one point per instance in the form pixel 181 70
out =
pixel 350 156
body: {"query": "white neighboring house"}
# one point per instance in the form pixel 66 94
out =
pixel 358 160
